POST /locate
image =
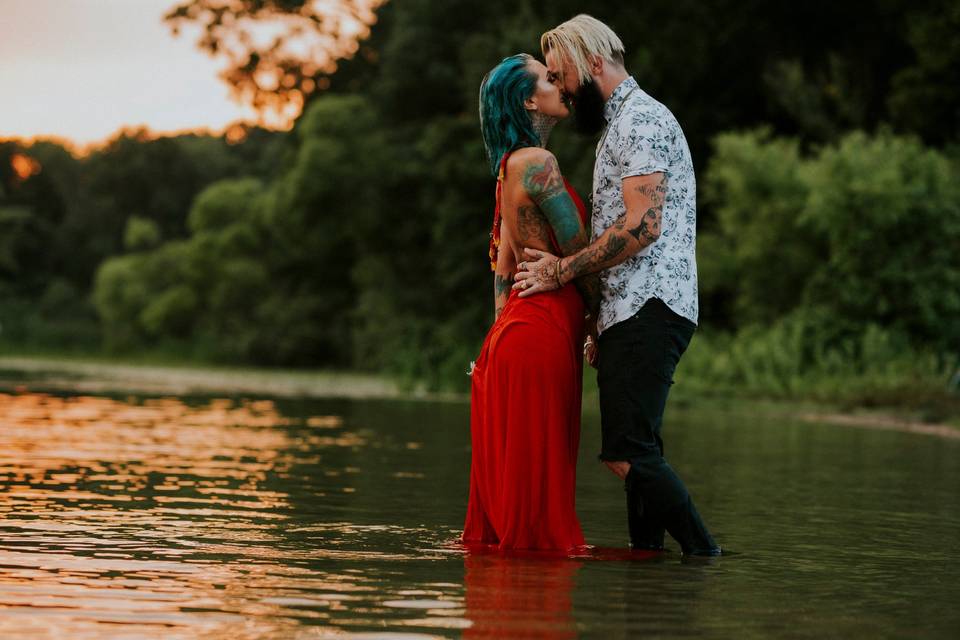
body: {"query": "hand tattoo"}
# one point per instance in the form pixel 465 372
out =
pixel 546 273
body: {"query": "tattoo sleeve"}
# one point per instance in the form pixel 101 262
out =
pixel 501 291
pixel 544 184
pixel 636 229
pixel 503 274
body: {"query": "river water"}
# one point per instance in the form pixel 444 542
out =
pixel 135 517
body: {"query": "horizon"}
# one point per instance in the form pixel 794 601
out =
pixel 117 69
pixel 234 132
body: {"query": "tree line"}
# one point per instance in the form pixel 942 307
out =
pixel 825 138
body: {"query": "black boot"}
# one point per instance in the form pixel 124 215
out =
pixel 687 528
pixel 646 533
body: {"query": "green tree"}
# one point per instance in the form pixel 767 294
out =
pixel 889 209
pixel 865 231
pixel 265 274
pixel 925 96
pixel 31 208
pixel 754 185
pixel 335 178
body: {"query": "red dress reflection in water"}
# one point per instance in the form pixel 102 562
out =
pixel 511 597
pixel 525 422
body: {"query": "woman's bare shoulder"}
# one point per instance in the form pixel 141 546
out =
pixel 535 170
pixel 530 156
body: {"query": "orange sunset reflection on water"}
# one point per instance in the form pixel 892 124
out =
pixel 153 515
pixel 173 518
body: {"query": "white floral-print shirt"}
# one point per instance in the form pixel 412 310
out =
pixel 643 137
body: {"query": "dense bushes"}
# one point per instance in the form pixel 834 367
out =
pixel 842 266
pixel 804 356
pixel 264 276
pixel 836 264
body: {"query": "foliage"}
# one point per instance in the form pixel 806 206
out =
pixel 264 275
pixel 140 234
pixel 755 186
pixel 866 230
pixel 31 209
pixel 278 53
pixel 359 238
pixel 804 356
pixel 61 216
pixel 889 210
pixel 924 95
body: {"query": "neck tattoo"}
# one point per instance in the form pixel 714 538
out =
pixel 543 125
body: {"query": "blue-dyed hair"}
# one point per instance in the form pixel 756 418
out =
pixel 504 122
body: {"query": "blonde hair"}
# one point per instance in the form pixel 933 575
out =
pixel 581 37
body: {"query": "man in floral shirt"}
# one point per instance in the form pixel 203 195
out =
pixel 643 245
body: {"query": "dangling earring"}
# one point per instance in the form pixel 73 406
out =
pixel 543 125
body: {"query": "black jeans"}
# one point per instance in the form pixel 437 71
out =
pixel 636 362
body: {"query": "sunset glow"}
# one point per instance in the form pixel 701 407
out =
pixel 24 166
pixel 81 70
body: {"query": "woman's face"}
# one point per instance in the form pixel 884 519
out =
pixel 547 97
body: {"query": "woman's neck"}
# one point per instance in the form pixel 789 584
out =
pixel 542 126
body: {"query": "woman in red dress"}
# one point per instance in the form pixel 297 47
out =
pixel 526 382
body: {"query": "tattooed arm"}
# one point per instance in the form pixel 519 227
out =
pixel 503 274
pixel 501 291
pixel 544 184
pixel 636 229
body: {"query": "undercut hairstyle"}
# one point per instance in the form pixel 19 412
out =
pixel 580 38
pixel 504 121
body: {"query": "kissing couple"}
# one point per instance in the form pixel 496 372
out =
pixel 626 291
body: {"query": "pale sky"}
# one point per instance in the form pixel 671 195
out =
pixel 82 69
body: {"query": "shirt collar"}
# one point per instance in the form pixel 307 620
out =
pixel 618 96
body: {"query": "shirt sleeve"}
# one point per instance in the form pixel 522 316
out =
pixel 641 145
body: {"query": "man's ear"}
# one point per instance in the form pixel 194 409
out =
pixel 596 65
pixel 530 105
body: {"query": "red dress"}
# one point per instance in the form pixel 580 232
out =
pixel 525 422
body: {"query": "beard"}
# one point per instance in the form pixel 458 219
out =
pixel 588 109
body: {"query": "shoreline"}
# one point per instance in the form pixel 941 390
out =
pixel 85 375
pixel 884 422
pixel 89 375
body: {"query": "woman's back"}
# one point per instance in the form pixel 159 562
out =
pixel 538 208
pixel 524 224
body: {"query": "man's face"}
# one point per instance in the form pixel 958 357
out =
pixel 585 98
pixel 562 73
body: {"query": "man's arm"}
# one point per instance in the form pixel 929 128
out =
pixel 636 229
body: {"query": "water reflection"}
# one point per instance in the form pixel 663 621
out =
pixel 154 515
pixel 509 596
pixel 199 518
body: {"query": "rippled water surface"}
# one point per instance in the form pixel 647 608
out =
pixel 212 518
